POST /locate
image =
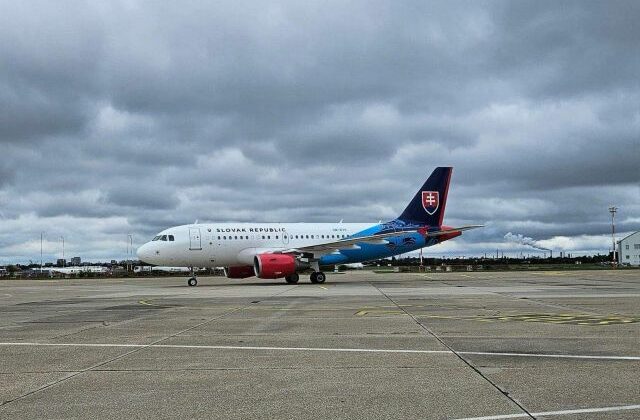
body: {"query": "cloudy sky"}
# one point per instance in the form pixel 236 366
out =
pixel 127 117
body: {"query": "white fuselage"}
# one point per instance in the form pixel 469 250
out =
pixel 236 244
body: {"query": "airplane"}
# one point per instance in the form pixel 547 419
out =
pixel 283 250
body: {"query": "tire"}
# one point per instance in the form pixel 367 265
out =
pixel 192 282
pixel 293 278
pixel 313 277
pixel 320 277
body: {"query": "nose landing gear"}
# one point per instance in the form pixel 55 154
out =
pixel 193 281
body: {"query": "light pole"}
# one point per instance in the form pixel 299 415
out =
pixel 613 210
pixel 41 235
pixel 129 249
pixel 63 260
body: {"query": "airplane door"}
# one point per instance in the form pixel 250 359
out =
pixel 285 238
pixel 195 241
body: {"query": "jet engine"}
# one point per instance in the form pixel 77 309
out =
pixel 274 266
pixel 241 272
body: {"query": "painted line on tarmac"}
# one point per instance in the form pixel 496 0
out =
pixel 146 303
pixel 556 413
pixel 552 356
pixel 319 349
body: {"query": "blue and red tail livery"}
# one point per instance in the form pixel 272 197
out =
pixel 427 206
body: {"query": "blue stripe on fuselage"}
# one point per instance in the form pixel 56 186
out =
pixel 396 245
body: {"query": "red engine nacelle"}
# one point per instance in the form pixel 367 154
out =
pixel 239 272
pixel 274 266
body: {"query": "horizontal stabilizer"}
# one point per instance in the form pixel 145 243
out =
pixel 452 230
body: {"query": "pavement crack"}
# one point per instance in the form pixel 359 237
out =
pixel 137 349
pixel 452 350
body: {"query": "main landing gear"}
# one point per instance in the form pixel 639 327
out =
pixel 292 278
pixel 318 277
pixel 193 281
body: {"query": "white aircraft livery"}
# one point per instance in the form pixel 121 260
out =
pixel 283 250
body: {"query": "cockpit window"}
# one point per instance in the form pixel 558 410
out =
pixel 171 237
pixel 157 238
pixel 163 238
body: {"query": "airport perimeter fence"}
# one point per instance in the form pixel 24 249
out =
pixel 444 268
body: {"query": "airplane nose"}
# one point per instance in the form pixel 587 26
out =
pixel 144 253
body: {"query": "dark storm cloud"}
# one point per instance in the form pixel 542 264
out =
pixel 571 49
pixel 128 117
pixel 48 81
pixel 143 198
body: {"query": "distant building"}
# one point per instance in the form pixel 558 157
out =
pixel 629 249
pixel 61 262
pixel 76 261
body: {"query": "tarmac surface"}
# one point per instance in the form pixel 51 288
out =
pixel 361 346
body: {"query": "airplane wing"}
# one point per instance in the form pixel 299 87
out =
pixel 349 243
pixel 376 239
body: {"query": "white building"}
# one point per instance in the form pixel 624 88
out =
pixel 629 249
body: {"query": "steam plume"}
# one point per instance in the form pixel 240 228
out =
pixel 524 240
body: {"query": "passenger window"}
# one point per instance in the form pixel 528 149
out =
pixel 235 237
pixel 262 236
pixel 276 236
pixel 224 237
pixel 268 236
pixel 218 238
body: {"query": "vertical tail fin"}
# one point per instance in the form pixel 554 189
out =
pixel 427 206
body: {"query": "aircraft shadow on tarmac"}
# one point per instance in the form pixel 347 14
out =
pixel 301 283
pixel 201 285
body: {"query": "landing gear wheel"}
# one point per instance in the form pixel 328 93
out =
pixel 320 277
pixel 192 282
pixel 293 278
pixel 317 277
